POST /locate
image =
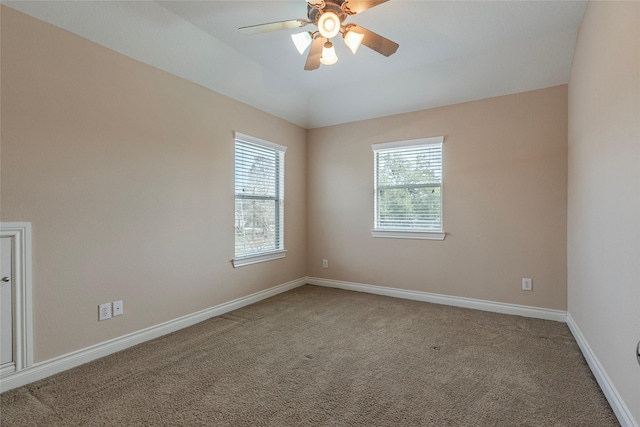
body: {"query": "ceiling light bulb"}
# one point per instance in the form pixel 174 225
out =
pixel 353 40
pixel 302 41
pixel 329 24
pixel 329 56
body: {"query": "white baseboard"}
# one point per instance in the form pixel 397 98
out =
pixel 53 366
pixel 496 307
pixel 615 400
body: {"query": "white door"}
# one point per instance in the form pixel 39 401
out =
pixel 6 303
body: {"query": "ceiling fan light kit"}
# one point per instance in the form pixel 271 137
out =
pixel 329 56
pixel 302 41
pixel 352 39
pixel 328 16
pixel 329 25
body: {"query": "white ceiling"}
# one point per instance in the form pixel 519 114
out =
pixel 450 51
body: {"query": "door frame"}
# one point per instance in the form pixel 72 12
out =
pixel 20 232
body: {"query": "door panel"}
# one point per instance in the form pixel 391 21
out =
pixel 6 301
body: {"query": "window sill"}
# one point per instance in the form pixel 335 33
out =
pixel 254 259
pixel 401 234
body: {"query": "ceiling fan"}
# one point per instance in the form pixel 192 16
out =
pixel 329 17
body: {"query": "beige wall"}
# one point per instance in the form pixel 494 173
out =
pixel 604 191
pixel 126 173
pixel 504 198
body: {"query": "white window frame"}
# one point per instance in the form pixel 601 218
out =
pixel 280 252
pixel 399 233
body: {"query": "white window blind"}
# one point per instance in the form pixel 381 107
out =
pixel 259 196
pixel 408 185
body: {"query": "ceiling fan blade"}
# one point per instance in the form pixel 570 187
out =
pixel 356 6
pixel 273 26
pixel 313 60
pixel 376 42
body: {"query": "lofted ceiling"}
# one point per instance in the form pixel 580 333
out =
pixel 450 51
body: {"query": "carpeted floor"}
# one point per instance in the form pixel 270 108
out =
pixel 325 357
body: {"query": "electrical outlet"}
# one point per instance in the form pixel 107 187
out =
pixel 118 308
pixel 526 284
pixel 104 311
pixel 325 263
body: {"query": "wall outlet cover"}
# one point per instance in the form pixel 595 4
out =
pixel 104 311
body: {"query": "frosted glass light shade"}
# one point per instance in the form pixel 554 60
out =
pixel 329 56
pixel 329 24
pixel 301 40
pixel 353 40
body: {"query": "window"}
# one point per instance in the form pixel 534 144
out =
pixel 259 204
pixel 408 189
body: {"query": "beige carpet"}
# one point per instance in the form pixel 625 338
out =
pixel 325 357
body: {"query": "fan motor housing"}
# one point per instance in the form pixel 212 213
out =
pixel 334 6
